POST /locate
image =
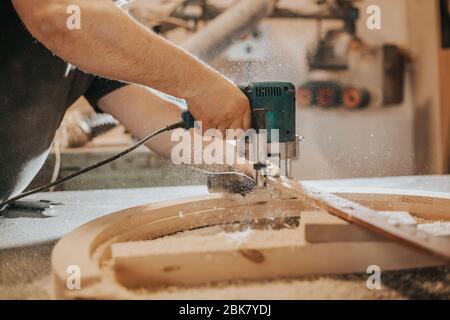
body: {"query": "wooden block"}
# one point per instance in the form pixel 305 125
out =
pixel 398 217
pixel 101 250
pixel 320 226
pixel 440 229
pixel 365 217
pixel 252 255
pixel 202 259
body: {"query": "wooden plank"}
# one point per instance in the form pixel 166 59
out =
pixel 323 227
pixel 365 217
pixel 425 204
pixel 444 81
pixel 424 47
pixel 440 229
pixel 254 255
pixel 89 246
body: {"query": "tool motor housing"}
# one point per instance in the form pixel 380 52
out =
pixel 273 107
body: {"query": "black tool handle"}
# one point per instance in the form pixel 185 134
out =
pixel 188 120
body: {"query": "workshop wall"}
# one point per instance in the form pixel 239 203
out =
pixel 393 140
pixel 378 141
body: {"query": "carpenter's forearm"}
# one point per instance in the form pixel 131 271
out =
pixel 113 45
pixel 142 112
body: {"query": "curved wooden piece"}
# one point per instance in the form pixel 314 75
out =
pixel 427 205
pixel 89 246
pixel 363 216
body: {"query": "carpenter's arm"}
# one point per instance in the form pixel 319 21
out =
pixel 141 111
pixel 111 44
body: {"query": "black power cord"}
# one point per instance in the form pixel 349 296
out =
pixel 182 124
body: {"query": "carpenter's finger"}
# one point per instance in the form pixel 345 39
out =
pixel 236 132
pixel 222 127
pixel 236 124
pixel 247 120
pixel 209 124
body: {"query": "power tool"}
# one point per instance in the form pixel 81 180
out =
pixel 273 115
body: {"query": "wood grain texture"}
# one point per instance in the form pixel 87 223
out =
pixel 423 204
pixel 368 218
pixel 93 247
pixel 261 255
pixel 424 47
pixel 90 245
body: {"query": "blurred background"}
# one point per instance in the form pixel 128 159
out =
pixel 372 78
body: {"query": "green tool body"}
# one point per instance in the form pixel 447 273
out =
pixel 273 108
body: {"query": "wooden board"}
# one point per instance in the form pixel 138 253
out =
pixel 431 97
pixel 365 217
pixel 90 247
pixel 328 228
pixel 424 204
pixel 259 255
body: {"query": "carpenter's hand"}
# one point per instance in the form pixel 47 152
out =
pixel 220 105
